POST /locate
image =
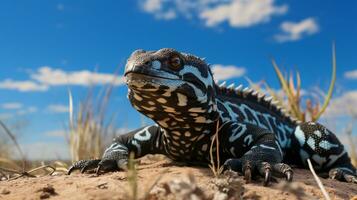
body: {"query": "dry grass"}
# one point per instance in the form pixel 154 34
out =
pixel 291 99
pixel 89 127
pixel 9 165
pixel 292 93
pixel 88 131
pixel 133 184
pixel 132 178
pixel 318 181
pixel 215 160
pixel 12 169
pixel 6 157
pixel 5 151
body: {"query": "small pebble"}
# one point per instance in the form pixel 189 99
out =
pixel 49 189
pixel 103 186
pixel 44 195
pixel 5 191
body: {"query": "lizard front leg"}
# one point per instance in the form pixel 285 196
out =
pixel 254 151
pixel 141 142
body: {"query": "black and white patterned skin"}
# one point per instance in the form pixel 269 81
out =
pixel 177 90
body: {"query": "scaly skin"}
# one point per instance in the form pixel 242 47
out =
pixel 178 92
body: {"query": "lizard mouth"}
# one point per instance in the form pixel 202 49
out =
pixel 151 72
pixel 134 75
pixel 150 82
pixel 155 82
pixel 141 75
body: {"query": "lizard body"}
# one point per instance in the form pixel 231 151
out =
pixel 178 91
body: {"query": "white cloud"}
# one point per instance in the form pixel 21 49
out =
pixel 242 13
pixel 12 105
pixel 152 5
pixel 60 7
pixel 55 77
pixel 6 116
pixel 293 31
pixel 238 13
pixel 19 110
pixel 45 77
pixel 155 7
pixel 32 109
pixel 58 108
pixel 25 111
pixel 351 74
pixel 170 14
pixel 46 151
pixel 56 133
pixel 343 105
pixel 224 72
pixel 22 86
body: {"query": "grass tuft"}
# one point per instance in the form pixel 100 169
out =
pixel 215 160
pixel 14 140
pixel 132 178
pixel 89 127
pixel 291 98
pixel 11 169
pixel 332 85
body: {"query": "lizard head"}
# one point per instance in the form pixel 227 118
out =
pixel 173 83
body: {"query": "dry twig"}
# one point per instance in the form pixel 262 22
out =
pixel 318 181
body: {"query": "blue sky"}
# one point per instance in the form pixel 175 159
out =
pixel 47 47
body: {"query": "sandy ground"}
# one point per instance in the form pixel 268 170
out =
pixel 173 184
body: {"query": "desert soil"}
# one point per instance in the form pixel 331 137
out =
pixel 174 183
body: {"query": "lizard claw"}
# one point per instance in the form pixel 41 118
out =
pixel 83 165
pixel 267 177
pixel 109 162
pixel 247 170
pixel 267 170
pixel 83 170
pixel 283 170
pixel 248 175
pixel 289 176
pixel 97 165
pixel 97 170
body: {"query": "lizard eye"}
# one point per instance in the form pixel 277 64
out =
pixel 175 62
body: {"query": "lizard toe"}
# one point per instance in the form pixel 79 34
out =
pixel 343 174
pixel 83 165
pixel 269 171
pixel 350 178
pixel 248 170
pixel 237 165
pixel 106 166
pixel 264 169
pixel 283 170
pixel 248 174
pixel 233 164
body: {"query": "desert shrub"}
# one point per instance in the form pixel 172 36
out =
pixel 289 96
pixel 89 124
